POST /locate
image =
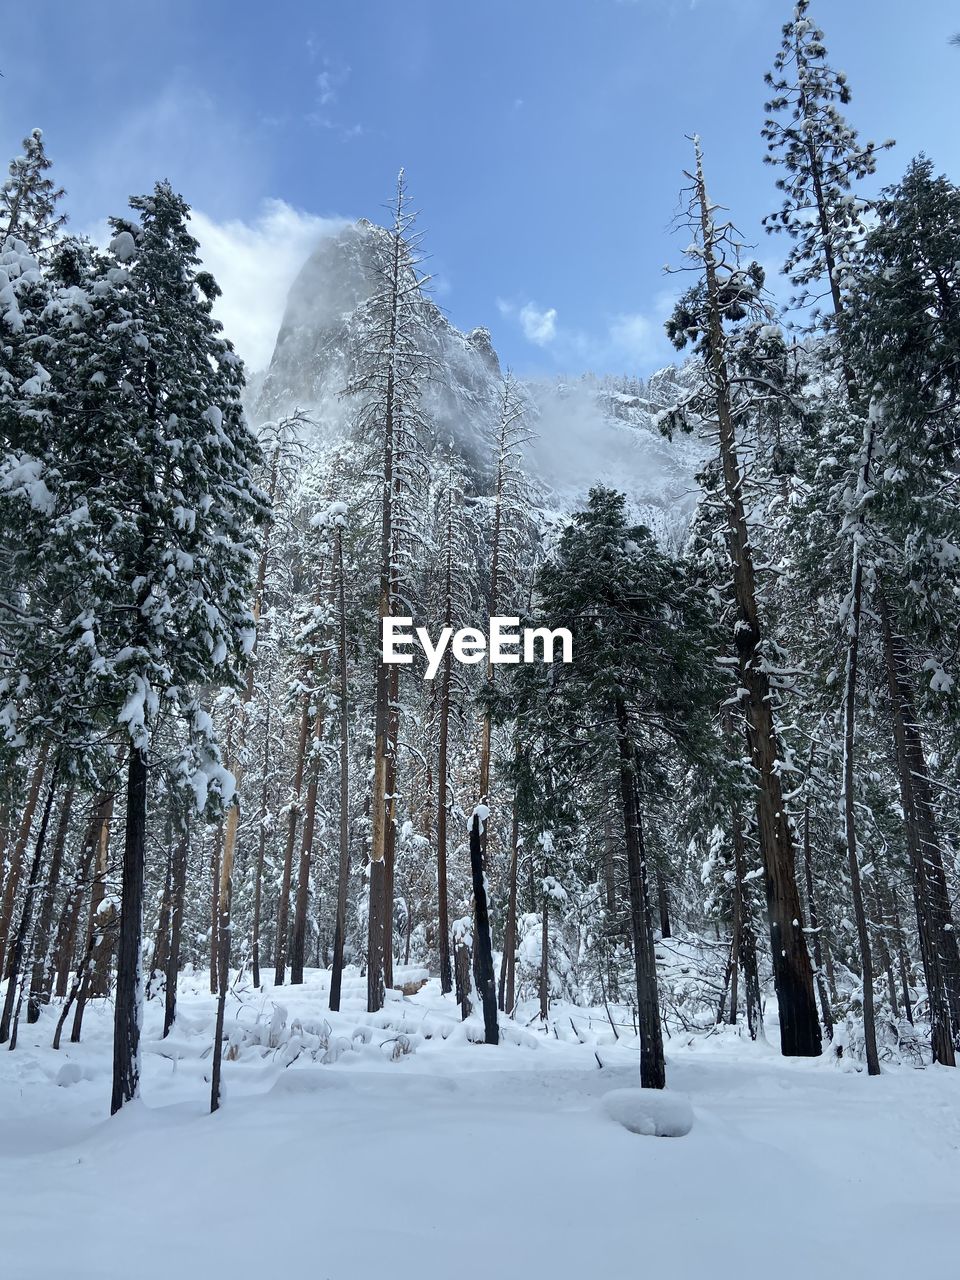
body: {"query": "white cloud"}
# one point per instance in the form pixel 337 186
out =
pixel 539 327
pixel 630 342
pixel 255 264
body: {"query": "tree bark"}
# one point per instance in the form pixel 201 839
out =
pixel 937 937
pixel 11 1006
pixel 70 916
pixel 509 966
pixel 261 854
pixel 178 894
pixel 825 1010
pixel 283 906
pixel 298 949
pixel 15 869
pixel 652 1068
pixel 216 861
pixel 443 911
pixel 129 993
pixel 223 937
pixel 486 983
pixel 41 980
pixel 343 870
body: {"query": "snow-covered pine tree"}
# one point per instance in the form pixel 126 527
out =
pixel 901 325
pixel 645 681
pixel 171 517
pixel 738 375
pixel 392 370
pixel 29 199
pixel 823 158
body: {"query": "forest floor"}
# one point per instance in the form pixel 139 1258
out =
pixel 351 1146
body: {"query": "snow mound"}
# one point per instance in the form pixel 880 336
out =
pixel 652 1112
pixel 70 1073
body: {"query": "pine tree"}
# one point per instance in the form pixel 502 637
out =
pixel 29 199
pixel 737 375
pixel 168 524
pixel 902 327
pixel 392 371
pixel 644 680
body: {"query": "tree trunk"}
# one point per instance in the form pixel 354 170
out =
pixel 663 901
pixel 177 896
pixel 216 861
pixel 462 966
pixel 70 916
pixel 825 1010
pixel 936 935
pixel 223 936
pixel 11 1006
pixel 544 958
pixel 298 949
pixel 848 797
pixel 486 983
pixel 41 980
pixel 509 965
pixel 903 963
pixel 652 1068
pixel 443 911
pixel 129 993
pixel 161 943
pixel 261 854
pixel 793 975
pixel 390 830
pixel 343 870
pixel 283 906
pixel 15 870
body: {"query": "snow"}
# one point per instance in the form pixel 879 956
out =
pixel 23 477
pixel 123 246
pixel 482 812
pixel 399 1151
pixel 652 1112
pixel 334 514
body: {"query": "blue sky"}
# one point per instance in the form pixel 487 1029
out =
pixel 543 139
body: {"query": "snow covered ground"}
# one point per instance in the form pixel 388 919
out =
pixel 412 1152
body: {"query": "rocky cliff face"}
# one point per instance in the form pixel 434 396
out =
pixel 314 357
pixel 589 431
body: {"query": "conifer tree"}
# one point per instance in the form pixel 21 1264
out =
pixel 29 199
pixel 170 519
pixel 643 679
pixel 736 377
pixel 902 327
pixel 392 370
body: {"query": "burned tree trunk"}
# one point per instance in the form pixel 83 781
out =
pixel 129 994
pixel 652 1069
pixel 486 983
